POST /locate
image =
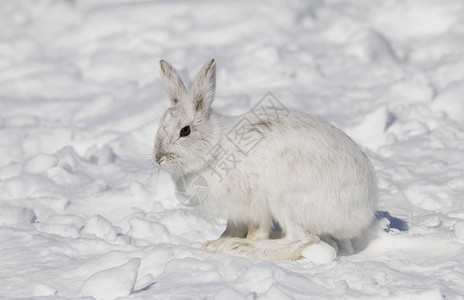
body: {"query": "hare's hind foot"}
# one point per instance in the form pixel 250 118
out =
pixel 281 249
pixel 213 246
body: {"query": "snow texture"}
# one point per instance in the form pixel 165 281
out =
pixel 112 283
pixel 82 212
pixel 321 253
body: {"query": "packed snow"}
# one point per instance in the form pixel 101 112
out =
pixel 84 214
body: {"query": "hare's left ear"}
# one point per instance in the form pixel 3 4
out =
pixel 203 88
pixel 173 84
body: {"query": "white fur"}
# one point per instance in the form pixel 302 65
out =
pixel 305 174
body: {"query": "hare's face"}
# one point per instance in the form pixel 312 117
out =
pixel 184 137
pixel 182 141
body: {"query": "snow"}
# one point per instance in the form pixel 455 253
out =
pixel 40 163
pixel 12 215
pixel 83 212
pixel 112 283
pixel 43 290
pixel 321 253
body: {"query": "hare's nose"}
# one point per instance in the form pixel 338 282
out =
pixel 158 156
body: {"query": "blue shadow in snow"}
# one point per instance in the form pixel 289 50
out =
pixel 395 223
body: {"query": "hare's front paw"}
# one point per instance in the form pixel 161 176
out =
pixel 214 246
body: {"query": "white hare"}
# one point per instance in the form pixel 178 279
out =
pixel 269 165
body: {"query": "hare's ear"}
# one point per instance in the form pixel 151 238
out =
pixel 173 85
pixel 204 87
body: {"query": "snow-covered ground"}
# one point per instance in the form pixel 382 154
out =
pixel 82 211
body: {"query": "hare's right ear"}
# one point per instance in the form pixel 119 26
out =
pixel 173 85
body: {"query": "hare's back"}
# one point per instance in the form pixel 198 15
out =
pixel 302 146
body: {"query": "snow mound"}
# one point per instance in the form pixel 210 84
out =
pixel 41 163
pixel 459 230
pixel 10 171
pixel 112 283
pixel 320 253
pixel 451 101
pixel 11 215
pixel 103 156
pixel 43 290
pixel 59 229
pixel 100 227
pixel 370 132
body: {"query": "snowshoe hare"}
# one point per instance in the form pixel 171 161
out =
pixel 271 164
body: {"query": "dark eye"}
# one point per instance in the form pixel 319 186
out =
pixel 185 131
